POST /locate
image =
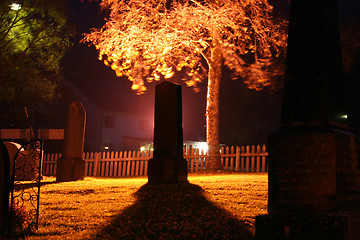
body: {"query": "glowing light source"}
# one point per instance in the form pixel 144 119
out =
pixel 106 148
pixel 344 116
pixel 15 6
pixel 202 146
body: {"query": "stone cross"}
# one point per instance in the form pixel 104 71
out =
pixel 71 166
pixel 4 188
pixel 168 164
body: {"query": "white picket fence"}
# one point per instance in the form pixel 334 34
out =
pixel 135 163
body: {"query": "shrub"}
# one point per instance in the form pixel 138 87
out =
pixel 18 220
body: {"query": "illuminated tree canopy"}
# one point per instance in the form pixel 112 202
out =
pixel 152 40
pixel 33 38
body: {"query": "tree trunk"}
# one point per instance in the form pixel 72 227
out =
pixel 212 109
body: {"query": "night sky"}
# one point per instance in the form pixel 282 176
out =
pixel 246 116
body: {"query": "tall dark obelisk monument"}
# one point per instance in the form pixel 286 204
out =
pixel 314 88
pixel 314 167
pixel 168 164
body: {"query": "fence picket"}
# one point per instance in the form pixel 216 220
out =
pixel 258 151
pixel 264 169
pixel 124 165
pixel 148 153
pixel 242 158
pixel 95 170
pixel 198 160
pixel 237 159
pixel 191 160
pixel 247 158
pixel 202 161
pixel 252 158
pixel 222 152
pixel 132 164
pixel 119 168
pixel 226 158
pixel 115 168
pixel 111 164
pixel 141 170
pixel 128 165
pixel 232 158
pixel 137 164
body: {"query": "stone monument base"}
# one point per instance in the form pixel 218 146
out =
pixel 70 169
pixel 167 170
pixel 313 172
pixel 282 226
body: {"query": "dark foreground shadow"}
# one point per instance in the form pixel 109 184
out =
pixel 174 211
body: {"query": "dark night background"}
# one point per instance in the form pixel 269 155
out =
pixel 246 116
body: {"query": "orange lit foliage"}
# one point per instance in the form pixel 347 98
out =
pixel 151 40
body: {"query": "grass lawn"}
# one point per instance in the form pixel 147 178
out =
pixel 219 206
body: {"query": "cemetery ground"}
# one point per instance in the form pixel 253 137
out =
pixel 210 206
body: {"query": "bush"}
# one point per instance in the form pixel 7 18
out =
pixel 19 219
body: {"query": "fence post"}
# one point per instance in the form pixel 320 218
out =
pixel 110 167
pixel 264 168
pixel 128 164
pixel 141 173
pixel 237 159
pixel 133 163
pixel 150 154
pixel 192 159
pixel 101 165
pixel 120 164
pixel 247 159
pixel 252 158
pixel 242 159
pixel 226 158
pixel 116 163
pixel 124 164
pixel 96 161
pixel 137 163
pixel 258 152
pixel 232 158
pixel 222 159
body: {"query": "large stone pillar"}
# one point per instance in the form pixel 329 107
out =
pixel 313 86
pixel 4 188
pixel 314 174
pixel 168 164
pixel 71 166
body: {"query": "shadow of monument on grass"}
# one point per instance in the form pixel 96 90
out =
pixel 174 211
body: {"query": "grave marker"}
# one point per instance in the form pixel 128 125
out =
pixel 168 164
pixel 71 165
pixel 314 175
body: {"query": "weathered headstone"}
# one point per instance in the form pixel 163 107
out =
pixel 4 188
pixel 71 165
pixel 314 174
pixel 168 164
pixel 12 149
pixel 26 162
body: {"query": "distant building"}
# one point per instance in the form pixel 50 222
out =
pixel 125 131
pixel 115 119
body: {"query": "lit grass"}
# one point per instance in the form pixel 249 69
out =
pixel 209 206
